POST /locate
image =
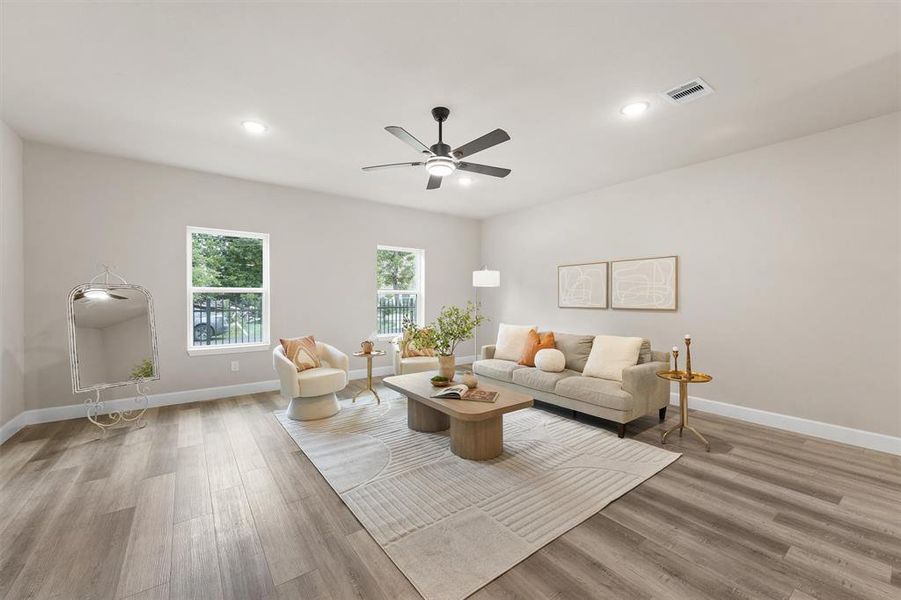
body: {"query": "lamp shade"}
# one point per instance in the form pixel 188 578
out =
pixel 486 278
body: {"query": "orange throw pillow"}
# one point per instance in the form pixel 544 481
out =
pixel 534 343
pixel 302 352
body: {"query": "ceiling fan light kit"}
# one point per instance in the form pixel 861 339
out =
pixel 442 160
pixel 441 166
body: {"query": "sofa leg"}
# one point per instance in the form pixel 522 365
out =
pixel 662 414
pixel 621 429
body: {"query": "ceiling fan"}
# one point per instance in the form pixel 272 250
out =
pixel 442 161
pixel 97 293
pixel 100 291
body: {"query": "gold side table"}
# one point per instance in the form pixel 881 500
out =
pixel 369 356
pixel 683 378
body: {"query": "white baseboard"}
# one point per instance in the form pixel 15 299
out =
pixel 12 427
pixel 827 431
pixel 74 411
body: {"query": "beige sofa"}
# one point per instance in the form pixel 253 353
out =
pixel 640 393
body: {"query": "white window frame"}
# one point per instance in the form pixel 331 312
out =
pixel 191 290
pixel 420 284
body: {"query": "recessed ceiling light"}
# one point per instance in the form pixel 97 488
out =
pixel 254 127
pixel 634 109
pixel 465 180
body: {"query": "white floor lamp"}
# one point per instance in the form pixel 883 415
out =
pixel 483 279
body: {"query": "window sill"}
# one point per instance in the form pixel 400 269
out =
pixel 227 349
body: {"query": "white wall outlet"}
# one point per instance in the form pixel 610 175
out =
pixel 235 366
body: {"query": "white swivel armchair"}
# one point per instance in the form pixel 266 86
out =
pixel 410 364
pixel 311 392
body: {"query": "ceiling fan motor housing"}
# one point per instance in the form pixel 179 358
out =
pixel 440 113
pixel 440 149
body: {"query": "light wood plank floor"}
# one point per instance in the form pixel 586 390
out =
pixel 214 500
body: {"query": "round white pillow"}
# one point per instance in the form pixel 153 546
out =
pixel 551 360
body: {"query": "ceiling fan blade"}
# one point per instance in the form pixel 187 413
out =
pixel 483 169
pixel 486 141
pixel 434 182
pixel 404 136
pixel 392 165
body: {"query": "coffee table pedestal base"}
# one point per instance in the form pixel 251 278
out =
pixel 477 440
pixel 425 418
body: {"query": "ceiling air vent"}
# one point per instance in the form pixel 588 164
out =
pixel 694 89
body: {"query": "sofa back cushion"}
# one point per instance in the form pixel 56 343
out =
pixel 511 341
pixel 610 354
pixel 644 354
pixel 575 348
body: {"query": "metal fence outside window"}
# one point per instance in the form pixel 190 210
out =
pixel 218 322
pixel 393 309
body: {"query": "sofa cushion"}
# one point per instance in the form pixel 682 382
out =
pixel 511 341
pixel 496 368
pixel 537 379
pixel 600 392
pixel 575 348
pixel 321 380
pixel 610 354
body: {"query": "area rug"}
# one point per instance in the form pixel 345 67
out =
pixel 452 525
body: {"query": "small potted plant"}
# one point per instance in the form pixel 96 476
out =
pixel 453 325
pixel 142 370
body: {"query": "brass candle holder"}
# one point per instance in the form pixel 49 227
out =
pixel 683 378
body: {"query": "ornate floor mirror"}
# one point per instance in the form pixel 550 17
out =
pixel 112 344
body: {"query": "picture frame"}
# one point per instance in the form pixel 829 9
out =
pixel 583 285
pixel 645 283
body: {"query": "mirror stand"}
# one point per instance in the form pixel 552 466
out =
pixel 98 415
pixel 112 344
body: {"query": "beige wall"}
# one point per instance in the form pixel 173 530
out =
pixel 12 328
pixel 85 209
pixel 125 346
pixel 789 270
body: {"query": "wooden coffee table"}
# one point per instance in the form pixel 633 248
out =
pixel 476 428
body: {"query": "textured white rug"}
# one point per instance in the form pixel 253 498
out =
pixel 452 525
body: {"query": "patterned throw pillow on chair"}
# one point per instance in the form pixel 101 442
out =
pixel 302 352
pixel 409 348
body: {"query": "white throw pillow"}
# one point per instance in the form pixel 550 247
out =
pixel 550 360
pixel 511 341
pixel 610 354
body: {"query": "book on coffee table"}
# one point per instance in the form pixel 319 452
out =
pixel 461 392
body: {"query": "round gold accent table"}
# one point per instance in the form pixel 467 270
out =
pixel 683 378
pixel 369 356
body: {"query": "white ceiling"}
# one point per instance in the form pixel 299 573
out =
pixel 100 314
pixel 171 83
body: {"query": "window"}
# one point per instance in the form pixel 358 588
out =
pixel 400 280
pixel 228 291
